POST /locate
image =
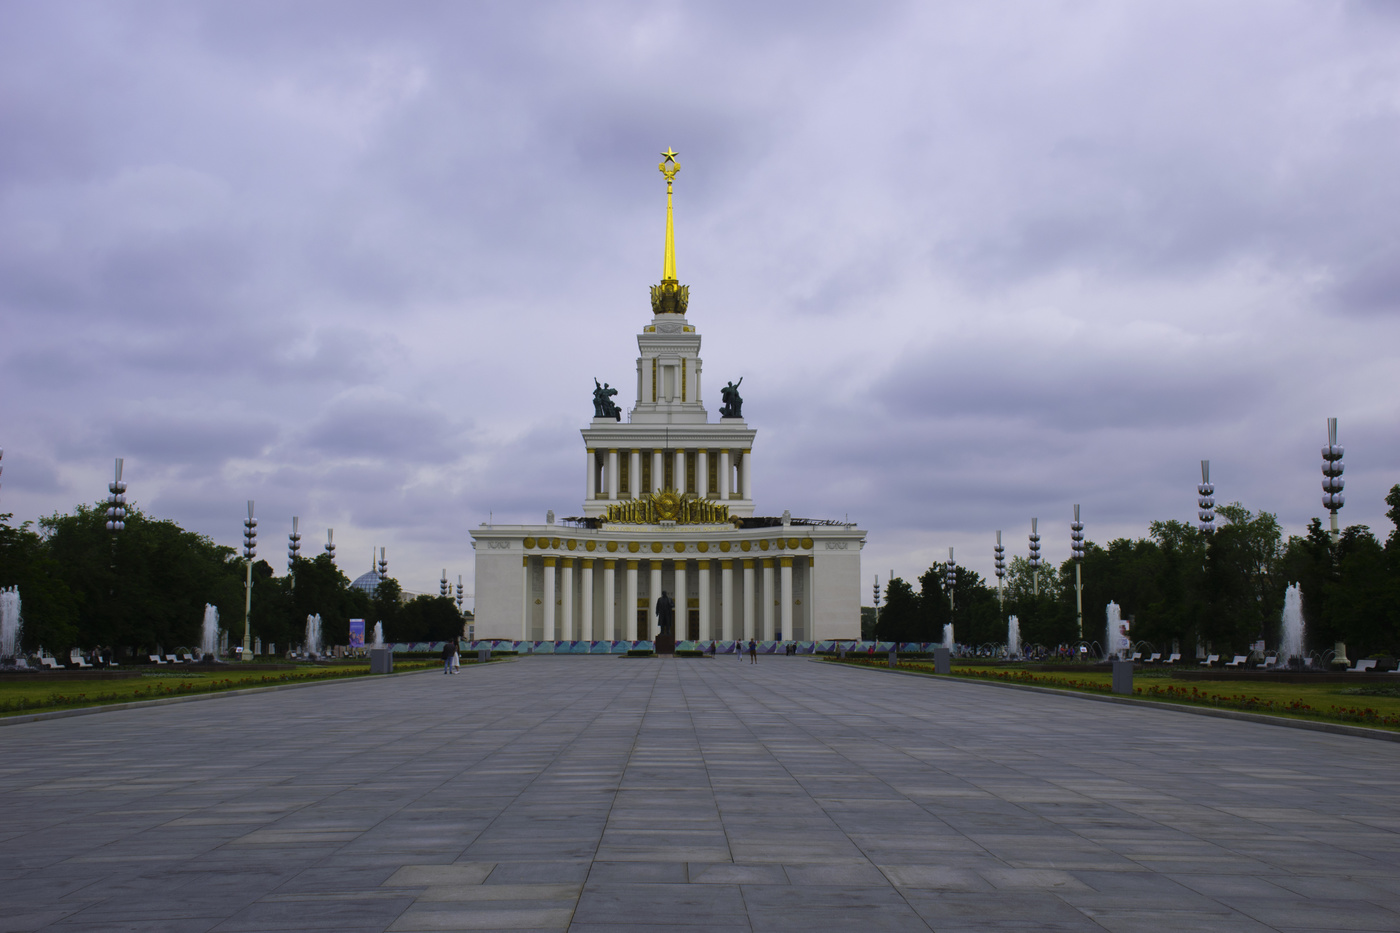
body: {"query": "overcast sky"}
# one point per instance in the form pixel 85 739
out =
pixel 976 262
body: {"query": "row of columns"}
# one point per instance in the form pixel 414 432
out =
pixel 606 486
pixel 560 626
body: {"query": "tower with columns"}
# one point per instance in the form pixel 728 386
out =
pixel 669 506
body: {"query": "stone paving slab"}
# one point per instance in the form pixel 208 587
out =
pixel 584 793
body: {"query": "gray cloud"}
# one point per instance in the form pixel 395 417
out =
pixel 361 262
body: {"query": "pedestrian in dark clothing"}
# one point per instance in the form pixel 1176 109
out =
pixel 753 651
pixel 447 657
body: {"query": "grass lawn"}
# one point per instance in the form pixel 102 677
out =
pixel 37 695
pixel 1367 704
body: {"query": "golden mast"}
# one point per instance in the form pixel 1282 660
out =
pixel 670 297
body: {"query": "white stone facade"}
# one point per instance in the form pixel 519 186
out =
pixel 598 580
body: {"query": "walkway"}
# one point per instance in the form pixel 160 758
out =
pixel 589 793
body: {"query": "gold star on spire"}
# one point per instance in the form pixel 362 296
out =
pixel 669 167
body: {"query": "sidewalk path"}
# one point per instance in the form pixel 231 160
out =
pixel 590 793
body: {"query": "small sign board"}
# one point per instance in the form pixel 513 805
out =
pixel 357 633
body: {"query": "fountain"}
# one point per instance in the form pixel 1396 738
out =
pixel 378 636
pixel 209 637
pixel 1115 640
pixel 11 624
pixel 313 635
pixel 948 635
pixel 1291 638
pixel 1013 637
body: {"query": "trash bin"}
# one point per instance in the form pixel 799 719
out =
pixel 381 661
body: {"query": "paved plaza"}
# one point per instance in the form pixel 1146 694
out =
pixel 602 793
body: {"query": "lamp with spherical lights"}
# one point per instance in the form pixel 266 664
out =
pixel 1332 482
pixel 250 551
pixel 1206 490
pixel 1076 550
pixel 1000 553
pixel 1034 559
pixel 116 501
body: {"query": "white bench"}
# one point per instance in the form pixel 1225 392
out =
pixel 1240 661
pixel 51 664
pixel 156 659
pixel 1173 659
pixel 1361 667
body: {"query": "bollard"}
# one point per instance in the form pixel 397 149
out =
pixel 1123 677
pixel 942 661
pixel 893 657
pixel 483 655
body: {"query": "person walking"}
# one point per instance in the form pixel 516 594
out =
pixel 456 657
pixel 753 651
pixel 739 648
pixel 447 657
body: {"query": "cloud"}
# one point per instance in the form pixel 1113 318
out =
pixel 361 263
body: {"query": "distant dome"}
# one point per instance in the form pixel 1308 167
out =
pixel 369 582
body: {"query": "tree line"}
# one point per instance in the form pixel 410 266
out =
pixel 1224 590
pixel 82 586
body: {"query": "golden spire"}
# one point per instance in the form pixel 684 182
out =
pixel 670 297
pixel 669 167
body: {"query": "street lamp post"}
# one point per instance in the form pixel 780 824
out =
pixel 1000 553
pixel 442 585
pixel 1332 468
pixel 950 578
pixel 250 550
pixel 116 501
pixel 293 551
pixel 1206 503
pixel 383 565
pixel 1076 549
pixel 460 593
pixel 1034 559
pixel 330 543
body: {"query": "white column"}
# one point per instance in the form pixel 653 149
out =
pixel 634 475
pixel 726 600
pixel 809 589
pixel 592 475
pixel 549 599
pixel 585 622
pixel 609 600
pixel 785 600
pixel 767 599
pixel 658 471
pixel 525 599
pixel 678 470
pixel 746 476
pixel 612 473
pixel 629 605
pixel 682 602
pixel 702 584
pixel 725 481
pixel 653 594
pixel 750 624
pixel 702 473
pixel 566 595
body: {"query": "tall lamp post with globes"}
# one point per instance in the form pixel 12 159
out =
pixel 250 550
pixel 1000 553
pixel 1034 559
pixel 293 551
pixel 1076 550
pixel 1332 483
pixel 1206 490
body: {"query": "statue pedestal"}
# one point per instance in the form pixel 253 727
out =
pixel 665 644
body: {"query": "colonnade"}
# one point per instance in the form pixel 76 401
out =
pixel 768 604
pixel 689 469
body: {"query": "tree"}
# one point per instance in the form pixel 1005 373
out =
pixel 899 619
pixel 49 608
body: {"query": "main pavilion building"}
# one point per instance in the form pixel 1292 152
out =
pixel 669 507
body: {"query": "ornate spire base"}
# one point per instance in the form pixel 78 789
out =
pixel 670 297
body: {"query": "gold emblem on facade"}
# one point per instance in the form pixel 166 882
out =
pixel 668 506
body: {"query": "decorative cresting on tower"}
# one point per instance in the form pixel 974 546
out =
pixel 1034 559
pixel 116 501
pixel 670 297
pixel 250 550
pixel 1332 468
pixel 1076 550
pixel 1000 553
pixel 1206 503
